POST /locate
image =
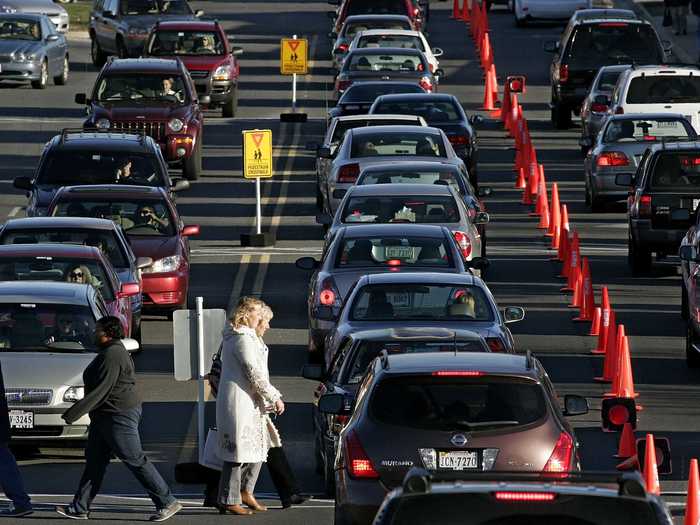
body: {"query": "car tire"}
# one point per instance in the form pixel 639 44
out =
pixel 230 107
pixel 684 303
pixel 560 115
pixel 62 79
pixel 692 358
pixel 96 54
pixel 639 259
pixel 597 206
pixel 43 77
pixel 192 166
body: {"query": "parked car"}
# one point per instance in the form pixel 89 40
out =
pixel 447 413
pixel 205 50
pixel 690 292
pixel 95 157
pixel 526 11
pixel 619 148
pixel 154 96
pixel 406 8
pixel 153 228
pixel 33 51
pixel 57 14
pixel 378 38
pixel 121 27
pixel 47 341
pixel 358 98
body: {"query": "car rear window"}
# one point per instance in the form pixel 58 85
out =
pixel 434 112
pixel 402 208
pixel 376 7
pixel 664 89
pixel 595 45
pixel 385 62
pixel 404 143
pixel 377 176
pixel 421 302
pixel 676 172
pixel 342 126
pixel 647 130
pixel 367 93
pixel 352 28
pixel 608 80
pixel 395 252
pixel 404 41
pixel 457 403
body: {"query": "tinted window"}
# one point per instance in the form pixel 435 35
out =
pixel 135 217
pixel 404 41
pixel 608 80
pixel 410 177
pixel 403 208
pixel 595 45
pixel 166 89
pixel 385 62
pixel 154 7
pixel 187 43
pixel 457 403
pixel 645 130
pixel 394 252
pixel 421 302
pixel 75 168
pixel 376 7
pixel 660 89
pixel 352 28
pixel 342 126
pixel 399 144
pixel 676 172
pixel 433 112
pixel 19 30
pixel 367 93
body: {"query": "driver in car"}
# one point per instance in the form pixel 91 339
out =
pixel 147 216
pixel 127 174
pixel 68 330
pixel 168 90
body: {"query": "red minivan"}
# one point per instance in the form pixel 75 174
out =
pixel 378 7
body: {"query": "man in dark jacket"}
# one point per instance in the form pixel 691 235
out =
pixel 10 478
pixel 114 406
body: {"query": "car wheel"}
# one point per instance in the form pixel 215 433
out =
pixel 639 259
pixel 122 51
pixel 231 105
pixel 43 77
pixel 96 54
pixel 192 166
pixel 684 303
pixel 561 115
pixel 62 79
pixel 692 358
pixel 597 206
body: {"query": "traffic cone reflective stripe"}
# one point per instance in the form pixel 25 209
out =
pixel 611 363
pixel 628 443
pixel 692 504
pixel 533 176
pixel 544 207
pixel 494 85
pixel 555 218
pixel 520 181
pixel 651 474
pixel 623 385
pixel 563 237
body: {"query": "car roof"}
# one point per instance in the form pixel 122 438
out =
pixel 104 141
pixel 416 333
pixel 51 223
pixel 374 83
pixel 456 279
pixel 378 116
pixel 400 189
pixel 615 67
pixel 49 250
pixel 604 15
pixel 174 25
pixel 675 146
pixel 487 362
pixel 370 130
pixel 355 18
pixel 385 51
pixel 44 292
pixel 404 165
pixel 396 229
pixel 398 32
pixel 110 191
pixel 143 65
pixel 663 69
pixel 646 116
pixel 423 97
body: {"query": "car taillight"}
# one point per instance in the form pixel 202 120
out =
pixel 342 85
pixel 339 422
pixel 342 48
pixel 328 294
pixel 359 464
pixel 425 83
pixel 349 173
pixel 612 158
pixel 465 245
pixel 525 496
pixel 560 460
pixel 645 206
pixel 597 107
pixel 416 11
pixel 563 73
pixel 619 110
pixel 495 344
pixel 460 140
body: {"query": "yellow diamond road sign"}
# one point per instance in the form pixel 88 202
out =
pixel 257 153
pixel 293 56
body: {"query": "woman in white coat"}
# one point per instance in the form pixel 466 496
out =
pixel 244 399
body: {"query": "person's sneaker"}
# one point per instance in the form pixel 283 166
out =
pixel 168 512
pixel 69 511
pixel 15 512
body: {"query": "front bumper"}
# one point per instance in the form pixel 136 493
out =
pixel 358 499
pixel 20 71
pixel 48 426
pixel 177 147
pixel 164 290
pixel 220 91
pixel 659 240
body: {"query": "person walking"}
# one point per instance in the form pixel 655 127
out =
pixel 114 406
pixel 10 478
pixel 679 15
pixel 244 398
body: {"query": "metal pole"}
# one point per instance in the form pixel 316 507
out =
pixel 200 377
pixel 294 88
pixel 258 212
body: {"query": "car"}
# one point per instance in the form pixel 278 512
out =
pixel 33 51
pixel 47 341
pixel 447 413
pixel 406 8
pixel 356 23
pixel 406 299
pixel 619 148
pixel 94 157
pixel 121 27
pixel 205 50
pixel 663 196
pixel 594 109
pixel 102 233
pixel 350 365
pixel 374 248
pixel 130 95
pixel 398 38
pixel 604 499
pixel 71 263
pixel 525 11
pixel 153 228
pixel 668 89
pixel 386 63
pixel 594 38
pixel 358 98
pixel 57 14
pixel 440 111
pixel 690 292
pixel 362 147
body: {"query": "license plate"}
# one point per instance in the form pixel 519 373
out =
pixel 21 419
pixel 399 252
pixel 458 460
pixel 398 299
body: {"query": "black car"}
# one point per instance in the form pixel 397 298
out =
pixel 592 39
pixel 77 157
pixel 348 368
pixel 440 111
pixel 358 98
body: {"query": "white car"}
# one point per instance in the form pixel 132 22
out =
pixel 530 10
pixel 659 89
pixel 56 13
pixel 397 38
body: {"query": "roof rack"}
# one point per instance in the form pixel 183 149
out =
pixel 141 134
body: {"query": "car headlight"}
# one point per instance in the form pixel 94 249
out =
pixel 103 123
pixel 7 9
pixel 25 57
pixel 73 394
pixel 164 265
pixel 176 124
pixel 222 72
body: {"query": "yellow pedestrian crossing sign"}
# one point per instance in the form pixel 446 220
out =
pixel 257 153
pixel 294 56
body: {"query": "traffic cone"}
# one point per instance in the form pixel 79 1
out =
pixel 520 181
pixel 465 10
pixel 456 15
pixel 578 291
pixel 604 307
pixel 613 343
pixel 488 94
pixel 512 113
pixel 623 385
pixel 533 176
pixel 692 505
pixel 587 310
pixel 563 235
pixel 494 84
pixel 485 52
pixel 540 196
pixel 651 474
pixel 574 265
pixel 628 443
pixel 555 218
pixel 566 266
pixel 544 210
pixel 631 463
pixel 595 324
pixel 606 315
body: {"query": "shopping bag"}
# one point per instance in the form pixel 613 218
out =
pixel 210 457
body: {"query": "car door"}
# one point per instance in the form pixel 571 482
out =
pixel 105 26
pixel 55 48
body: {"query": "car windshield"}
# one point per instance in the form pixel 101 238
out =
pixel 457 403
pixel 19 30
pixel 167 43
pixel 421 302
pixel 106 240
pixel 403 143
pixel 608 80
pixel 343 125
pixel 664 89
pixel 154 7
pixel 676 172
pixel 135 217
pixel 377 176
pixel 385 62
pixel 138 88
pixel 434 112
pixel 647 130
pixel 401 41
pixel 368 93
pixel 45 268
pixel 76 168
pixel 29 327
pixel 352 28
pixel 376 7
pixel 595 45
pixel 436 209
pixel 394 252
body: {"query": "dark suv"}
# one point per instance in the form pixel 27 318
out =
pixel 154 96
pixel 121 27
pixel 448 413
pixel 592 39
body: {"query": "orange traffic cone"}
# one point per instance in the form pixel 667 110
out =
pixel 613 344
pixel 563 235
pixel 629 464
pixel 587 306
pixel 456 14
pixel 628 444
pixel 651 473
pixel 607 315
pixel 692 505
pixel 574 265
pixel 494 85
pixel 605 307
pixel 623 385
pixel 578 291
pixel 555 219
pixel 520 181
pixel 465 10
pixel 485 52
pixel 544 207
pixel 532 179
pixel 488 95
pixel 595 324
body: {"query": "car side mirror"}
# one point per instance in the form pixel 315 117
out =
pixel 484 191
pixel 479 263
pixel 313 372
pixel 306 263
pixel 513 314
pixel 575 405
pixel 131 345
pixel 52 38
pixel 585 142
pixel 439 72
pixel 23 183
pixel 326 313
pixel 624 179
pixel 190 230
pixel 438 52
pixel 129 289
pixel 180 185
pixel 324 219
pixel 481 217
pixel 324 152
pixel 143 262
pixel 81 98
pixel 237 51
pixel 199 13
pixel 551 46
pixel 332 404
pixel 688 253
pixel 204 99
pixel 476 119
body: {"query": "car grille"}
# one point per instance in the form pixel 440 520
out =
pixel 152 129
pixel 5 59
pixel 28 396
pixel 47 431
pixel 199 74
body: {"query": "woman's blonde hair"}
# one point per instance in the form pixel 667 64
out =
pixel 243 309
pixel 266 311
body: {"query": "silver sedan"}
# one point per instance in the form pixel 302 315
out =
pixel 594 109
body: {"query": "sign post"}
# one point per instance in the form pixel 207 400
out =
pixel 294 61
pixel 257 163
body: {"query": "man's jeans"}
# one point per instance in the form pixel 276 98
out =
pixel 118 435
pixel 11 479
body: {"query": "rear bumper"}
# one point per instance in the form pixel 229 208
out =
pixel 604 187
pixel 165 289
pixel 572 97
pixel 665 240
pixel 220 91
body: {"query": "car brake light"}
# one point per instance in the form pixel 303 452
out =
pixel 525 496
pixel 465 245
pixel 563 73
pixel 342 85
pixel 342 48
pixel 329 295
pixel 619 110
pixel 459 139
pixel 349 173
pixel 458 373
pixel 416 12
pixel 613 24
pixel 359 464
pixel 339 422
pixel 597 107
pixel 425 83
pixel 560 460
pixel 690 161
pixel 394 262
pixel 612 158
pixel 645 206
pixel 495 344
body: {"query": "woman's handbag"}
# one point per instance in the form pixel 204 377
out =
pixel 210 457
pixel 668 21
pixel 215 372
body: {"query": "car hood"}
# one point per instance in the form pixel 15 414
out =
pixel 37 6
pixel 152 246
pixel 148 21
pixel 8 47
pixel 44 369
pixel 146 113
